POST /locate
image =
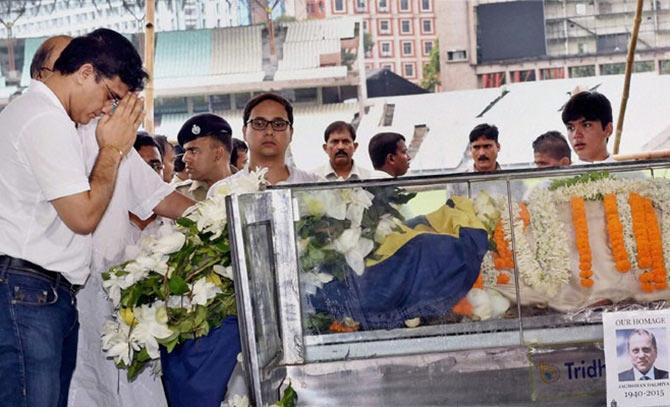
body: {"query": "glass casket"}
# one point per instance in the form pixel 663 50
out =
pixel 468 289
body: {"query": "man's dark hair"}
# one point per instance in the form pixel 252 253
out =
pixel 179 164
pixel 144 139
pixel 381 145
pixel 257 100
pixel 238 145
pixel 642 332
pixel 110 53
pixel 553 144
pixel 339 127
pixel 591 106
pixel 484 130
pixel 163 144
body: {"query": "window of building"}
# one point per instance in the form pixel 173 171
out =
pixel 491 80
pixel 458 55
pixel 407 48
pixel 425 5
pixel 385 49
pixel 200 104
pixel 361 5
pixel 171 105
pixel 643 66
pixel 404 5
pixel 389 66
pixel 241 99
pixel 306 95
pixel 220 102
pixel 552 73
pixel 365 25
pixel 405 26
pixel 409 70
pixel 338 6
pixel 426 26
pixel 427 47
pixel 385 26
pixel 612 69
pixel 582 71
pixel 382 5
pixel 664 67
pixel 522 76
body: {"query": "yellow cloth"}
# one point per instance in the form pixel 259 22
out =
pixel 445 220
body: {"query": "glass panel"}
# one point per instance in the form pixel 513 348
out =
pixel 382 258
pixel 257 235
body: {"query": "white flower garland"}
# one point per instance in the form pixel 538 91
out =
pixel 551 251
pixel 623 207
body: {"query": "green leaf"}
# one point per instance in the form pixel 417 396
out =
pixel 177 285
pixel 289 398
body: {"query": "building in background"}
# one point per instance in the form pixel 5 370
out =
pixel 399 33
pixel 489 43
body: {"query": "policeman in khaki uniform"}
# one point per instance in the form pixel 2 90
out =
pixel 206 139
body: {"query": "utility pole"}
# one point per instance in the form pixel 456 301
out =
pixel 149 30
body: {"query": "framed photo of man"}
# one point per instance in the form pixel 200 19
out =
pixel 637 357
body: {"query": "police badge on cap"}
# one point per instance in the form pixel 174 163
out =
pixel 205 125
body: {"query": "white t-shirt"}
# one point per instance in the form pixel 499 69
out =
pixel 42 160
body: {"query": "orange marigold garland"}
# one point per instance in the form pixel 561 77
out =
pixel 524 214
pixel 615 232
pixel 582 240
pixel 637 211
pixel 502 257
pixel 657 278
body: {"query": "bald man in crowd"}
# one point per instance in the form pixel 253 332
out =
pixel 139 191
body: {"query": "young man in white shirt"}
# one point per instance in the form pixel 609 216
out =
pixel 51 206
pixel 588 119
pixel 340 145
pixel 139 191
pixel 389 155
pixel 268 130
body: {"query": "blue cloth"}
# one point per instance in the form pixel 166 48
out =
pixel 426 277
pixel 38 339
pixel 196 372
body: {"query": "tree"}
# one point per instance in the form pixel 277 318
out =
pixel 368 44
pixel 431 71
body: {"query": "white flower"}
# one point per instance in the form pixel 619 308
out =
pixel 387 224
pixel 169 240
pixel 113 286
pixel 226 272
pixel 116 341
pixel 237 401
pixel 312 281
pixel 413 323
pixel 151 325
pixel 179 301
pixel 354 248
pixel 203 291
pixel 357 200
pixel 322 203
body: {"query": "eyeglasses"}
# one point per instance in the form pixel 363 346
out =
pixel 115 99
pixel 261 124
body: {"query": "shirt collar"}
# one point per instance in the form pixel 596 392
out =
pixel 329 173
pixel 639 375
pixel 39 87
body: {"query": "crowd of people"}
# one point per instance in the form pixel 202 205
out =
pixel 82 183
